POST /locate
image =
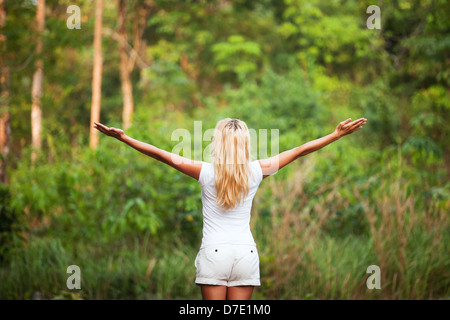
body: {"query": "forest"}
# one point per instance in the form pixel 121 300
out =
pixel 72 196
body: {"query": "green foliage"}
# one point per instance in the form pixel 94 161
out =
pixel 431 113
pixel 10 224
pixel 329 33
pixel 237 55
pixel 290 101
pixel 103 195
pixel 39 267
pixel 377 103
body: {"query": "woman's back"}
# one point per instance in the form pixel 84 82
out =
pixel 231 226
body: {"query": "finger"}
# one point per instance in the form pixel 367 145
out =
pixel 358 122
pixel 103 130
pixel 101 125
pixel 343 124
pixel 346 121
pixel 347 124
pixel 352 129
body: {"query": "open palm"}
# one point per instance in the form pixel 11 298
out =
pixel 109 131
pixel 348 126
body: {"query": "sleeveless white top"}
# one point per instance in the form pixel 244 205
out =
pixel 232 226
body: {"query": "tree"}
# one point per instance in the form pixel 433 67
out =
pixel 5 127
pixel 37 86
pixel 127 88
pixel 130 55
pixel 96 74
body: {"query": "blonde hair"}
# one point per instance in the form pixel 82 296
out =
pixel 231 160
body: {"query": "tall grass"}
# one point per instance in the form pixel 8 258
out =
pixel 411 243
pixel 37 268
pixel 407 238
pixel 126 271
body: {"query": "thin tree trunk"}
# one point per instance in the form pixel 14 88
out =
pixel 5 128
pixel 36 88
pixel 140 14
pixel 96 74
pixel 127 89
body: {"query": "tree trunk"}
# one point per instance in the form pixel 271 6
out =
pixel 5 128
pixel 127 89
pixel 36 88
pixel 96 74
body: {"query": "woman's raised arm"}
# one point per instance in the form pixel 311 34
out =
pixel 275 163
pixel 187 166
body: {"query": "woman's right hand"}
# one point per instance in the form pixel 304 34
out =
pixel 347 127
pixel 109 131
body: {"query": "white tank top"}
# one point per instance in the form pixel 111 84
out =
pixel 232 226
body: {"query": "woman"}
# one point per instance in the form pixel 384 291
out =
pixel 228 264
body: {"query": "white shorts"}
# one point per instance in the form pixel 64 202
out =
pixel 228 265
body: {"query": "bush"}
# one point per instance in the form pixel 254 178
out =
pixel 10 224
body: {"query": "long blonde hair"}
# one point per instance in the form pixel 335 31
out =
pixel 231 159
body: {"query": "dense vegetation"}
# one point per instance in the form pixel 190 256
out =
pixel 133 225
